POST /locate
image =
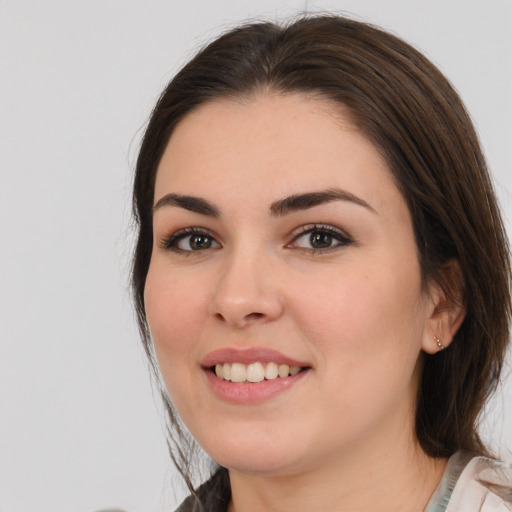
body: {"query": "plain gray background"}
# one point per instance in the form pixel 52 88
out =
pixel 79 427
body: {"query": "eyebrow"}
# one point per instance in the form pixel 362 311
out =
pixel 191 203
pixel 278 208
pixel 311 199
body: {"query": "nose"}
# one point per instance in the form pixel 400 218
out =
pixel 247 291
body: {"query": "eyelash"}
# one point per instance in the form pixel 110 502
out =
pixel 171 242
pixel 341 238
pixel 337 235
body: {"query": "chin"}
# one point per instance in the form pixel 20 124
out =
pixel 257 465
pixel 263 461
pixel 245 454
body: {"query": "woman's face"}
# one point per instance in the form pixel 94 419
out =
pixel 281 241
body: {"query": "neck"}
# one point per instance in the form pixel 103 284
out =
pixel 380 480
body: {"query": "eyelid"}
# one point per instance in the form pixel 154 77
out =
pixel 169 242
pixel 343 238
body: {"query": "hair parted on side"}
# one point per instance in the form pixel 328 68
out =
pixel 412 114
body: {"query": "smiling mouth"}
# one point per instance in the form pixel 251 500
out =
pixel 255 372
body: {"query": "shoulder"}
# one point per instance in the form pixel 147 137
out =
pixel 484 485
pixel 189 505
pixel 212 496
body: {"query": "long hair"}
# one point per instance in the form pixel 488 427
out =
pixel 412 114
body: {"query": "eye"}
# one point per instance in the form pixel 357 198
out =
pixel 320 238
pixel 191 240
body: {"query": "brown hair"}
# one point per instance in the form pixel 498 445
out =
pixel 409 110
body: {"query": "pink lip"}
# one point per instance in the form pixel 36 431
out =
pixel 250 392
pixel 248 356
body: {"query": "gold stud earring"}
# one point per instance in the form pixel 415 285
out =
pixel 439 343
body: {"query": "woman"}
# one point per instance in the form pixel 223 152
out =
pixel 321 274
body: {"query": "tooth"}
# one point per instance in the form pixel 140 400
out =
pixel 284 370
pixel 238 372
pixel 226 371
pixel 294 370
pixel 218 371
pixel 255 372
pixel 271 371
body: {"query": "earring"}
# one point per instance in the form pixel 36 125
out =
pixel 439 343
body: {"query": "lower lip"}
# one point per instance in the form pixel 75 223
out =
pixel 251 392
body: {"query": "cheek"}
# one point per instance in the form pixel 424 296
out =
pixel 359 315
pixel 366 332
pixel 174 318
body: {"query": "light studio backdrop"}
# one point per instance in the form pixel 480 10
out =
pixel 79 426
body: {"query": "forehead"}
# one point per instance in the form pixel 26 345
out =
pixel 291 142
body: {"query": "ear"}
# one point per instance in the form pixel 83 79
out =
pixel 447 308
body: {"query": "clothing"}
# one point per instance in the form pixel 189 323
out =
pixel 469 484
pixel 473 484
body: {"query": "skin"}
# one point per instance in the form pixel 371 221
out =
pixel 341 438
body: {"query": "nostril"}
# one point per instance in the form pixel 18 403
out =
pixel 240 321
pixel 254 315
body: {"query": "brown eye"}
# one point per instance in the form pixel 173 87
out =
pixel 191 241
pixel 320 240
pixel 197 242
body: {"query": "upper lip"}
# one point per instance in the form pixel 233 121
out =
pixel 248 356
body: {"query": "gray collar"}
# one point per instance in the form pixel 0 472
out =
pixel 456 464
